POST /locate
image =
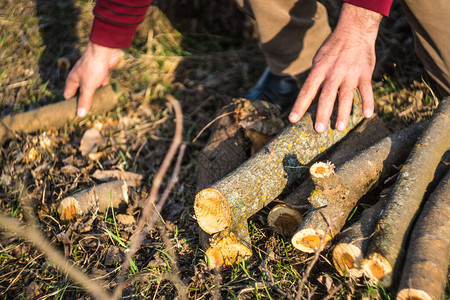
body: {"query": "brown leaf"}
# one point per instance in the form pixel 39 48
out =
pixel 70 169
pixel 261 117
pixel 90 141
pixel 114 256
pixel 125 220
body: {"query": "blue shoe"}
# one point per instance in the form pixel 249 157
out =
pixel 279 90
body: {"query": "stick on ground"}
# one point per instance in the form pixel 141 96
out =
pixel 110 194
pixel 386 250
pixel 424 274
pixel 338 193
pixel 54 116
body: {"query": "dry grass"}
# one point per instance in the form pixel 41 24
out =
pixel 203 62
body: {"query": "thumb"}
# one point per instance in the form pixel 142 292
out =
pixel 85 100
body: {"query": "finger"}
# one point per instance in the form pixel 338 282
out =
pixel 105 82
pixel 325 108
pixel 71 86
pixel 365 88
pixel 85 100
pixel 345 106
pixel 307 94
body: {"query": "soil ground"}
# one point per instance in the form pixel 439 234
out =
pixel 204 53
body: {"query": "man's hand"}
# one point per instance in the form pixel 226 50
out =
pixel 89 73
pixel 344 62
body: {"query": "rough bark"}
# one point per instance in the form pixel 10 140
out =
pixel 335 197
pixel 386 250
pixel 111 194
pixel 263 177
pixel 354 240
pixel 424 273
pixel 54 116
pixel 282 218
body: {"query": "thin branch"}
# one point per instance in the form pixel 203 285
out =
pixel 212 122
pixel 317 252
pixel 35 236
pixel 149 203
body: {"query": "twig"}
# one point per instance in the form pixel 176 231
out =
pixel 35 236
pixel 317 252
pixel 272 284
pixel 210 123
pixel 149 203
pixel 174 277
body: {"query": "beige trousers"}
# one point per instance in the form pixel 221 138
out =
pixel 291 32
pixel 430 23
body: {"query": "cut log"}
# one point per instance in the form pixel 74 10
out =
pixel 261 178
pixel 424 274
pixel 228 247
pixel 386 250
pixel 54 116
pixel 110 194
pixel 246 126
pixel 283 218
pixel 337 194
pixel 354 240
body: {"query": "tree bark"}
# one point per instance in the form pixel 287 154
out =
pixel 386 250
pixel 335 196
pixel 283 218
pixel 424 274
pixel 54 116
pixel 111 194
pixel 260 179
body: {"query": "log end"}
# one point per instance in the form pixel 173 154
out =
pixel 228 251
pixel 310 240
pixel 284 219
pixel 413 294
pixel 321 170
pixel 378 269
pixel 69 209
pixel 212 211
pixel 347 260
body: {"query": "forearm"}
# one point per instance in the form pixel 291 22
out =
pixel 115 22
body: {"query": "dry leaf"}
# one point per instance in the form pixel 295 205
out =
pixel 261 117
pixel 90 141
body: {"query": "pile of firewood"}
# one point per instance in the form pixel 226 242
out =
pixel 405 235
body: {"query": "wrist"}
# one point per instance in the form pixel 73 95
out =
pixel 360 22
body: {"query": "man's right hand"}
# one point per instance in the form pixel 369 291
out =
pixel 89 73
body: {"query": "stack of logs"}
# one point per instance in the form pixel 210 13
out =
pixel 404 235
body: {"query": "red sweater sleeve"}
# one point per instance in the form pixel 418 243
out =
pixel 379 6
pixel 116 21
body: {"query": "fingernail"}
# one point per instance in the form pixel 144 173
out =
pixel 368 113
pixel 81 112
pixel 340 126
pixel 293 117
pixel 320 127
